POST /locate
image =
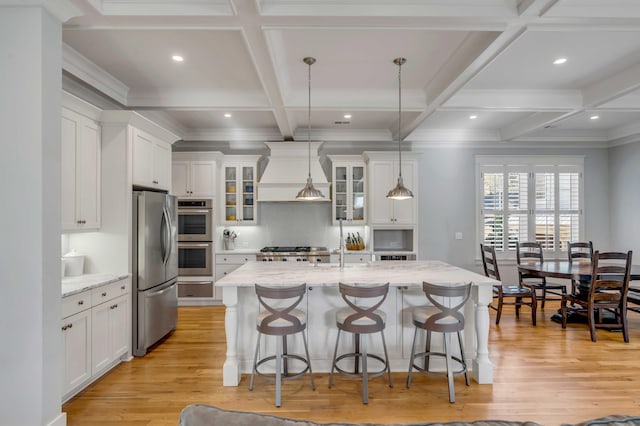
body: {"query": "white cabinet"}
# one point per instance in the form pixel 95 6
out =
pixel 96 333
pixel 349 189
pixel 383 176
pixel 352 257
pixel 238 187
pixel 76 350
pixel 151 161
pixel 226 263
pixel 193 179
pixel 80 168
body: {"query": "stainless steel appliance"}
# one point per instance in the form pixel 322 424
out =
pixel 395 256
pixel 155 268
pixel 195 258
pixel 293 254
pixel 195 220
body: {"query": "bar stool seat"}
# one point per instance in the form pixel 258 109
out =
pixel 281 321
pixel 360 319
pixel 443 317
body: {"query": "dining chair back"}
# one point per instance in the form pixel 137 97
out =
pixel 608 290
pixel 582 252
pixel 520 296
pixel 532 251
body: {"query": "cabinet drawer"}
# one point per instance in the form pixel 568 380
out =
pixel 357 258
pixel 237 259
pixel 195 289
pixel 222 270
pixel 107 292
pixel 76 303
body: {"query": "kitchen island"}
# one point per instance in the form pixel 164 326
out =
pixel 323 299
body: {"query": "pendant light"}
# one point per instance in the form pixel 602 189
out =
pixel 309 192
pixel 400 192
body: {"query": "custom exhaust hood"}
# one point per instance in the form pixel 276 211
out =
pixel 288 169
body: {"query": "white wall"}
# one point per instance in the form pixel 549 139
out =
pixel 447 200
pixel 624 198
pixel 30 358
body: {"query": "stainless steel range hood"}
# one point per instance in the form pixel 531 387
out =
pixel 288 169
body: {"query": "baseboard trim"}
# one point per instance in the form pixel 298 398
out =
pixel 60 420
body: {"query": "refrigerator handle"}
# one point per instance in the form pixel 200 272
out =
pixel 170 242
pixel 164 230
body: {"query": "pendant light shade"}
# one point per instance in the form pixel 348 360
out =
pixel 309 192
pixel 399 192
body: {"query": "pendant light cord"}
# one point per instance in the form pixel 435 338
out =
pixel 309 120
pixel 399 117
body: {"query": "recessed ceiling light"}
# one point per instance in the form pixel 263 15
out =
pixel 594 117
pixel 559 61
pixel 227 115
pixel 347 116
pixel 177 58
pixel 473 117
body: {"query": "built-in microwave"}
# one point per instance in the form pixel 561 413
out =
pixel 195 258
pixel 195 220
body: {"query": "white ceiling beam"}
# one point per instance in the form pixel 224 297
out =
pixel 532 122
pixel 261 56
pixel 473 56
pixel 515 100
pixel 535 7
pixel 612 87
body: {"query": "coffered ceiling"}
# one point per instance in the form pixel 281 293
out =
pixel 488 59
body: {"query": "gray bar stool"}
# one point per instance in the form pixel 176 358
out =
pixel 443 317
pixel 364 318
pixel 281 321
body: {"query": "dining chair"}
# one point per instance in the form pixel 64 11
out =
pixel 579 252
pixel 280 318
pixel 522 296
pixel 608 289
pixel 532 251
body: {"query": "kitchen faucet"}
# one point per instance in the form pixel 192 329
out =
pixel 341 247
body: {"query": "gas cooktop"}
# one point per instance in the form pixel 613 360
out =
pixel 292 249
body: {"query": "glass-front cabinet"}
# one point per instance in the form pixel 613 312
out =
pixel 239 180
pixel 349 189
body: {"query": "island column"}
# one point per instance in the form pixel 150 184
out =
pixel 231 367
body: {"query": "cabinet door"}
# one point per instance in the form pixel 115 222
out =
pixel 70 133
pixel 180 178
pixel 403 210
pixel 161 165
pixel 203 178
pixel 357 199
pixel 382 180
pixel 120 326
pixel 76 344
pixel 88 178
pixel 101 354
pixel 248 194
pixel 143 159
pixel 231 201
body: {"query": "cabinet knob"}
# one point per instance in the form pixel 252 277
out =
pixel 122 287
pixel 70 325
pixel 80 302
pixel 104 294
pixel 64 327
pixel 155 181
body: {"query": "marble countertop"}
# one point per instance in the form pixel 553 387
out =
pixel 396 273
pixel 80 283
pixel 238 251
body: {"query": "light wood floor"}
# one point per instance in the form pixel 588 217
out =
pixel 543 374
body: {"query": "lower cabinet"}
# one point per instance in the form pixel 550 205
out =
pixel 96 333
pixel 226 263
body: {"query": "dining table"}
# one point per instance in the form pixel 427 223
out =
pixel 576 270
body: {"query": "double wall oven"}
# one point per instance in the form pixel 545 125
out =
pixel 195 237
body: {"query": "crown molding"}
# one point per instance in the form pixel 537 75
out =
pixel 380 135
pixel 221 135
pixel 82 68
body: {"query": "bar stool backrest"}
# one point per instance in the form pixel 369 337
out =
pixel 449 300
pixel 280 320
pixel 366 309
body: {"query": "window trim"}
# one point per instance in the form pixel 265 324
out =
pixel 528 163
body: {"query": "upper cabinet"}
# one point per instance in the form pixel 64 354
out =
pixel 151 161
pixel 383 170
pixel 80 172
pixel 349 189
pixel 238 189
pixel 193 174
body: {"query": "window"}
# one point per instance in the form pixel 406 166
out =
pixel 529 198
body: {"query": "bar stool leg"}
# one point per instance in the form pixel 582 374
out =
pixel 306 349
pixel 365 373
pixel 285 361
pixel 333 363
pixel 413 352
pixel 356 365
pixel 386 357
pixel 447 351
pixel 278 371
pixel 427 349
pixel 464 362
pixel 255 361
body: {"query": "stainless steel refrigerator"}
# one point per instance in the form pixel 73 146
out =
pixel 155 268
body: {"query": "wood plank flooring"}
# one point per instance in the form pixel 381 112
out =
pixel 543 374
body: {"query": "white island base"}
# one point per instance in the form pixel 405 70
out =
pixel 323 299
